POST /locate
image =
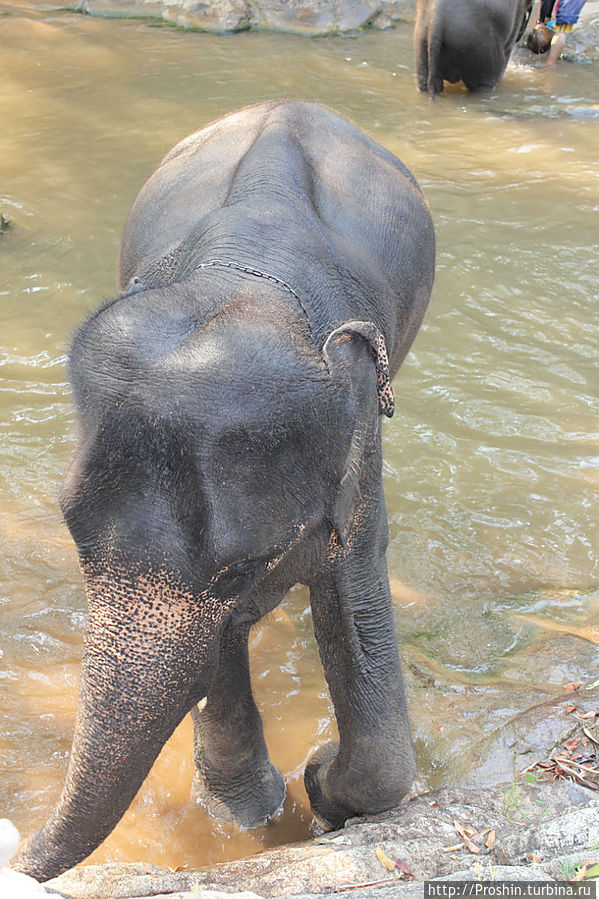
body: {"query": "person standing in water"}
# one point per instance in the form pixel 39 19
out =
pixel 564 17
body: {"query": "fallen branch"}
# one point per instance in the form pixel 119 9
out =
pixel 372 883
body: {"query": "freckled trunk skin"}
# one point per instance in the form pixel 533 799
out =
pixel 147 660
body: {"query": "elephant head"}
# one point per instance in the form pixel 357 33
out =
pixel 216 453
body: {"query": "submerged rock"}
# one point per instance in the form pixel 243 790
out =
pixel 584 112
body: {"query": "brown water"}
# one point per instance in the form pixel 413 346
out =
pixel 492 460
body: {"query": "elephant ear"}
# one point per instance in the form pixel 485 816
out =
pixel 356 353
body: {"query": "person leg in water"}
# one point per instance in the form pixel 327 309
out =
pixel 566 16
pixel 557 45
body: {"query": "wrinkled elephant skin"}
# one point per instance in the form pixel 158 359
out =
pixel 274 272
pixel 466 40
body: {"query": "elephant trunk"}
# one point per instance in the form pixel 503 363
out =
pixel 148 658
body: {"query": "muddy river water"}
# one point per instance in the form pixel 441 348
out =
pixel 492 458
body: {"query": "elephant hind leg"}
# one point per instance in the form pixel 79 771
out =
pixel 421 48
pixel 235 779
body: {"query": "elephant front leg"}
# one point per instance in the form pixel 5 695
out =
pixel 373 765
pixel 234 779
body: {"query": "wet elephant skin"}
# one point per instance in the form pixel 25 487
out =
pixel 274 271
pixel 466 40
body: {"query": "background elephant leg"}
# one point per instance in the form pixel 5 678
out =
pixel 421 45
pixel 234 777
pixel 373 765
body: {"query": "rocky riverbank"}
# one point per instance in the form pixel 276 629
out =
pixel 527 830
pixel 542 825
pixel 307 17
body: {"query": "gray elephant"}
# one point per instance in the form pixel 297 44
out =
pixel 466 40
pixel 274 271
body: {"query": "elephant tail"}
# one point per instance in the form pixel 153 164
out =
pixel 435 79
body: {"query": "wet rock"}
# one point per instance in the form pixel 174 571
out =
pixel 484 734
pixel 212 15
pixel 583 44
pixel 313 17
pixel 310 17
pixel 560 818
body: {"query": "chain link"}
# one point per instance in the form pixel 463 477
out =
pixel 256 273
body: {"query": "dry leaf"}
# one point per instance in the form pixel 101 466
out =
pixel 471 846
pixel 177 869
pixel 589 715
pixel 535 859
pixel 588 734
pixel 453 848
pixel 490 839
pixel 460 829
pixel 570 708
pixel 384 859
pixel 404 869
pixel 433 804
pixel 572 744
pixel 465 830
pixel 571 686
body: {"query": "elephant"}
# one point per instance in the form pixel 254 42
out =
pixel 466 40
pixel 273 273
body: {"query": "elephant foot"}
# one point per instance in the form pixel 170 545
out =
pixel 330 815
pixel 335 795
pixel 250 799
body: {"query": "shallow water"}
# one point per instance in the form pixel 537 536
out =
pixel 492 460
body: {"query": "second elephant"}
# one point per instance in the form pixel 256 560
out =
pixel 466 40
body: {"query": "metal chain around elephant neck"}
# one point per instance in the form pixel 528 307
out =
pixel 247 270
pixel 377 341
